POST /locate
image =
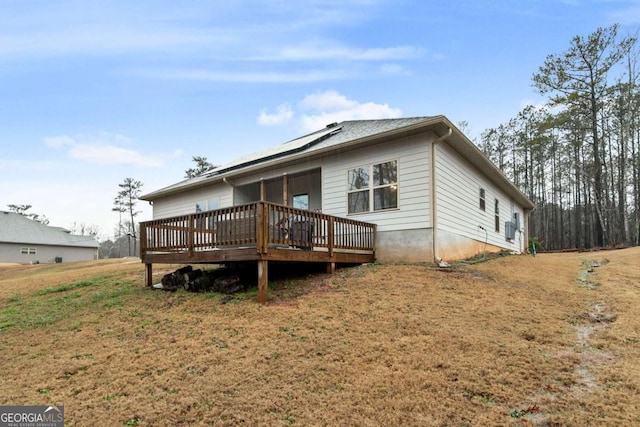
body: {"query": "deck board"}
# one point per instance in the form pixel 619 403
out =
pixel 260 232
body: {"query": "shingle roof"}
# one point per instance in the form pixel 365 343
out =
pixel 333 135
pixel 15 228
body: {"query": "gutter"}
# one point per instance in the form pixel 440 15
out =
pixel 434 216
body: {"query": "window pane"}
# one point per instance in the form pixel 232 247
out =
pixel 358 178
pixel 201 206
pixel 213 204
pixel 301 201
pixel 482 198
pixel 359 201
pixel 385 198
pixel 385 173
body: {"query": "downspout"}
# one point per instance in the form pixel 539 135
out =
pixel 434 216
pixel 233 188
pixel 525 230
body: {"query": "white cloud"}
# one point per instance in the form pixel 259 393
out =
pixel 103 148
pixel 394 69
pixel 58 141
pixel 111 155
pixel 221 30
pixel 628 16
pixel 538 104
pixel 283 115
pixel 309 76
pixel 331 106
pixel 91 42
pixel 319 109
pixel 328 100
pixel 297 64
pixel 330 51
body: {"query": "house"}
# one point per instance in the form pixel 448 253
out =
pixel 24 241
pixel 426 190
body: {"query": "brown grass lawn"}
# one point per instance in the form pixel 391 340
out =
pixel 514 341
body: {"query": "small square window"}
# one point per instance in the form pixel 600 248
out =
pixel 358 201
pixel 301 201
pixel 359 178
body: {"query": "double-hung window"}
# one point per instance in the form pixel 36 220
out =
pixel 207 205
pixel 373 187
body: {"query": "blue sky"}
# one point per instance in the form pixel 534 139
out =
pixel 92 92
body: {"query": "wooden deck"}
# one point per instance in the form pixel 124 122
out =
pixel 260 232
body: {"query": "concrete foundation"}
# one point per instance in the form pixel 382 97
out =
pixel 405 246
pixel 416 246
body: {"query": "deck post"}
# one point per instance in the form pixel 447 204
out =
pixel 263 280
pixel 330 236
pixel 262 227
pixel 148 274
pixel 143 240
pixel 190 234
pixel 285 190
pixel 331 267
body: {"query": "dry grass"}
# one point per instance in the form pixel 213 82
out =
pixel 514 341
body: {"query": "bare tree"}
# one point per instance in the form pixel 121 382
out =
pixel 83 229
pixel 125 202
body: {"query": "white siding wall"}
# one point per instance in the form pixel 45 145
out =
pixel 413 183
pixel 458 203
pixel 185 203
pixel 458 209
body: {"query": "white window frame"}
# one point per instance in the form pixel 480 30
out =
pixel 28 251
pixel 204 205
pixel 296 197
pixel 371 187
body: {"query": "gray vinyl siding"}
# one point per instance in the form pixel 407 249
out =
pixel 184 203
pixel 10 252
pixel 413 183
pixel 458 206
pixel 405 232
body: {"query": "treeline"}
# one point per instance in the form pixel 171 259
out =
pixel 578 157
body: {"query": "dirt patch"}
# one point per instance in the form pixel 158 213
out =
pixel 594 321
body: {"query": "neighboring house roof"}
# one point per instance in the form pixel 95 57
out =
pixel 348 134
pixel 16 228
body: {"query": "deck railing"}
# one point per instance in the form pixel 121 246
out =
pixel 262 225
